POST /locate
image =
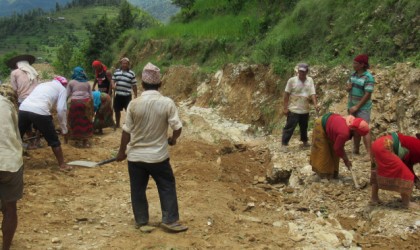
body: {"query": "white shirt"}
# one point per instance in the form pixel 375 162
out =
pixel 10 142
pixel 42 99
pixel 300 92
pixel 147 121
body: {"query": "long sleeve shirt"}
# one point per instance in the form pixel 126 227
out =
pixel 338 132
pixel 10 143
pixel 21 84
pixel 413 145
pixel 44 97
pixel 79 90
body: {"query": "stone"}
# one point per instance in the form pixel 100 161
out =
pixel 327 237
pixel 277 224
pixel 55 240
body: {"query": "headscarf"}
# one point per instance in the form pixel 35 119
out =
pixel 357 124
pixel 98 63
pixel 28 69
pixel 62 80
pixel 79 74
pixel 96 99
pixel 362 58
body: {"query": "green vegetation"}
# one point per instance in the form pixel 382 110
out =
pixel 72 35
pixel 281 33
pixel 212 33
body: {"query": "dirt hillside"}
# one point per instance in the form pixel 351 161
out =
pixel 223 165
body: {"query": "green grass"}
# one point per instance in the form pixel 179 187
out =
pixel 43 37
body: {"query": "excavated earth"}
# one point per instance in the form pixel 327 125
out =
pixel 235 189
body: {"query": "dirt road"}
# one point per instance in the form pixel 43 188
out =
pixel 223 194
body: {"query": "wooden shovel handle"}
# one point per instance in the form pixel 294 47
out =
pixel 106 161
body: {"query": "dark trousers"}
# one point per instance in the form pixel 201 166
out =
pixel 44 123
pixel 293 120
pixel 165 181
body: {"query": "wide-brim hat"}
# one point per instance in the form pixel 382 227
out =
pixel 11 63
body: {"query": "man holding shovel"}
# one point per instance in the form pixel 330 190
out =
pixel 36 110
pixel 144 142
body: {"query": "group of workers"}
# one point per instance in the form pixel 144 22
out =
pixel 144 140
pixel 392 156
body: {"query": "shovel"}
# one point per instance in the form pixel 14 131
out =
pixel 353 175
pixel 91 164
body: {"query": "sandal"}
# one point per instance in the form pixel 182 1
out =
pixel 175 227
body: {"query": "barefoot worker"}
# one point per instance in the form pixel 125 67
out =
pixel 395 156
pixel 330 134
pixel 360 88
pixel 144 143
pixel 36 109
pixel 11 167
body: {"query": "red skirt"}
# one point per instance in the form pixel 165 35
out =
pixel 391 172
pixel 79 119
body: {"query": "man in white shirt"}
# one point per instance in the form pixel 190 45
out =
pixel 36 110
pixel 144 143
pixel 299 90
pixel 11 169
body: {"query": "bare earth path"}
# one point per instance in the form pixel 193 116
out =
pixel 223 197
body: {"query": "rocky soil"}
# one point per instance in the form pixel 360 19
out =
pixel 235 189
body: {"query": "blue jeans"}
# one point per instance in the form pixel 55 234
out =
pixel 293 120
pixel 162 173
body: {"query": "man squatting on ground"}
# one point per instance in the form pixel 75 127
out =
pixel 144 142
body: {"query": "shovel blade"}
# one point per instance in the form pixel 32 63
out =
pixel 88 164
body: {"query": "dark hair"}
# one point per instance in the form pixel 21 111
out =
pixel 148 86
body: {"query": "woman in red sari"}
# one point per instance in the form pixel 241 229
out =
pixel 395 156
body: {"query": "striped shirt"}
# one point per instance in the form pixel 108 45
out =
pixel 361 85
pixel 124 80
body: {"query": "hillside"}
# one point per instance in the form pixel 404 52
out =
pixel 225 63
pixel 73 29
pixel 160 9
pixel 8 7
pixel 280 33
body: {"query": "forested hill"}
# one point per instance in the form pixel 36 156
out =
pixel 8 7
pixel 160 9
pixel 71 35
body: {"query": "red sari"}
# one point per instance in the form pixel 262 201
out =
pixel 393 173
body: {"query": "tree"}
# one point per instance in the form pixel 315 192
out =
pixel 102 34
pixel 125 18
pixel 183 3
pixel 63 56
pixel 57 7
